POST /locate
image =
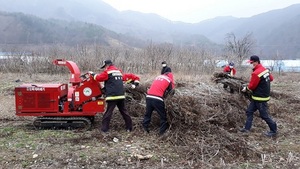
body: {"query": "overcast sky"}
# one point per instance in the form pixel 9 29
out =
pixel 193 11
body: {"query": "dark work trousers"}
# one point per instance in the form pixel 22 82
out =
pixel 159 106
pixel 262 107
pixel 111 104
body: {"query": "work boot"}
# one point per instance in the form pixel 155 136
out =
pixel 104 133
pixel 243 130
pixel 270 134
pixel 163 136
pixel 146 130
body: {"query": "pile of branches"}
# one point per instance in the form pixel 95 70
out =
pixel 234 83
pixel 205 119
pixel 202 121
pixel 237 84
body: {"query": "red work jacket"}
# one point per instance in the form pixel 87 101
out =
pixel 260 83
pixel 161 85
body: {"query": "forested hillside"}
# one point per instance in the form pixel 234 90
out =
pixel 18 28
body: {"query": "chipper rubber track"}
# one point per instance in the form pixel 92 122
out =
pixel 79 123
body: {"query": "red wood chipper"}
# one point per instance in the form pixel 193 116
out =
pixel 71 106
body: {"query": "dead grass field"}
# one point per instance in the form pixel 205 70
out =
pixel 204 118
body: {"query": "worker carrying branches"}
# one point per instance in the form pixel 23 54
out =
pixel 230 71
pixel 260 87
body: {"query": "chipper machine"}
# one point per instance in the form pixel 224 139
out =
pixel 72 105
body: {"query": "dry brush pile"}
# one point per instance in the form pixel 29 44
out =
pixel 205 120
pixel 202 120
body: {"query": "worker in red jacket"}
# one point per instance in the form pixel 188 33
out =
pixel 230 71
pixel 160 88
pixel 115 94
pixel 130 78
pixel 260 86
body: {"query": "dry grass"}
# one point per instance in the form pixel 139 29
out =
pixel 204 120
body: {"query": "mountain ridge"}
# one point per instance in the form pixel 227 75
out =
pixel 266 27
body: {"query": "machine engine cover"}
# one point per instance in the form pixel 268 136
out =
pixel 37 98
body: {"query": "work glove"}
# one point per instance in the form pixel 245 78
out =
pixel 133 86
pixel 92 73
pixel 244 89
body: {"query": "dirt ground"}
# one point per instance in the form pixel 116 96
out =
pixel 204 133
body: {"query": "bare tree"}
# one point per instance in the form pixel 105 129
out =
pixel 157 53
pixel 239 49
